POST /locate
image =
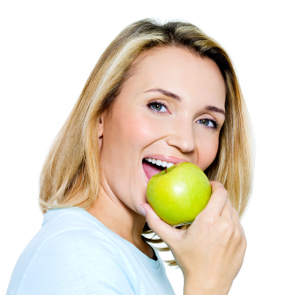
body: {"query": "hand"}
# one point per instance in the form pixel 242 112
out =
pixel 210 252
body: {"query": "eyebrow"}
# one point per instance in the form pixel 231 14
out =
pixel 178 98
pixel 215 109
pixel 165 92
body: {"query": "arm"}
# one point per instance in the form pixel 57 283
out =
pixel 210 252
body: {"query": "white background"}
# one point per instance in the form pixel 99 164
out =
pixel 48 49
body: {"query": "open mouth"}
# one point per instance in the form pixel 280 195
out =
pixel 153 166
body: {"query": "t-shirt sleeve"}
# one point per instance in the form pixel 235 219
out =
pixel 76 262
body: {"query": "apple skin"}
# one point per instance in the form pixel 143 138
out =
pixel 179 194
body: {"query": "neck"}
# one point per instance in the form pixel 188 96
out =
pixel 122 220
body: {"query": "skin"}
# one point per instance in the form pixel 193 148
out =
pixel 210 252
pixel 183 129
pixel 132 130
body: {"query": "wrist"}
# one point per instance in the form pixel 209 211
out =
pixel 194 286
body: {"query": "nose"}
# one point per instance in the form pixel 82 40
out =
pixel 182 137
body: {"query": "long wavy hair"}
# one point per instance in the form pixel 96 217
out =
pixel 70 175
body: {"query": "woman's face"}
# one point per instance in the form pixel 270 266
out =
pixel 171 109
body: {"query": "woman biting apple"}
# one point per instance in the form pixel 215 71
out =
pixel 159 95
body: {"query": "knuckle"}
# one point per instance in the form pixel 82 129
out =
pixel 222 191
pixel 215 182
pixel 240 239
pixel 238 236
pixel 244 243
pixel 209 221
pixel 243 238
pixel 216 185
pixel 228 227
pixel 206 220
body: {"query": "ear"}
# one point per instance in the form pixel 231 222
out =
pixel 100 127
pixel 100 131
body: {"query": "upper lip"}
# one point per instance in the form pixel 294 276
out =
pixel 168 159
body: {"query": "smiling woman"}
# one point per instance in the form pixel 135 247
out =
pixel 159 95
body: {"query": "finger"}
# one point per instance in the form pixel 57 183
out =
pixel 227 210
pixel 166 232
pixel 237 223
pixel 217 200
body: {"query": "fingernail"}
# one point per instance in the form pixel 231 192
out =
pixel 143 212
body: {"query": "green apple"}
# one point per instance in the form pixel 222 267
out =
pixel 178 194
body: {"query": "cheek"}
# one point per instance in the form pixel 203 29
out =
pixel 139 130
pixel 207 152
pixel 124 139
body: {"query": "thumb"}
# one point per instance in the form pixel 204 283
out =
pixel 166 232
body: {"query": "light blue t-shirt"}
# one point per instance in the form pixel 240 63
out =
pixel 74 253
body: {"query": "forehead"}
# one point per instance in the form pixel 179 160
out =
pixel 177 70
pixel 172 57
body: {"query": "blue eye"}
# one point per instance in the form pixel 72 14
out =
pixel 157 106
pixel 208 123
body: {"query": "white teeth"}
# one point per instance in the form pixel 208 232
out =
pixel 164 163
pixel 159 162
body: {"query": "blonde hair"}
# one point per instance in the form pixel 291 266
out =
pixel 70 176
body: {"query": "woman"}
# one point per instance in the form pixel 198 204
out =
pixel 166 92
